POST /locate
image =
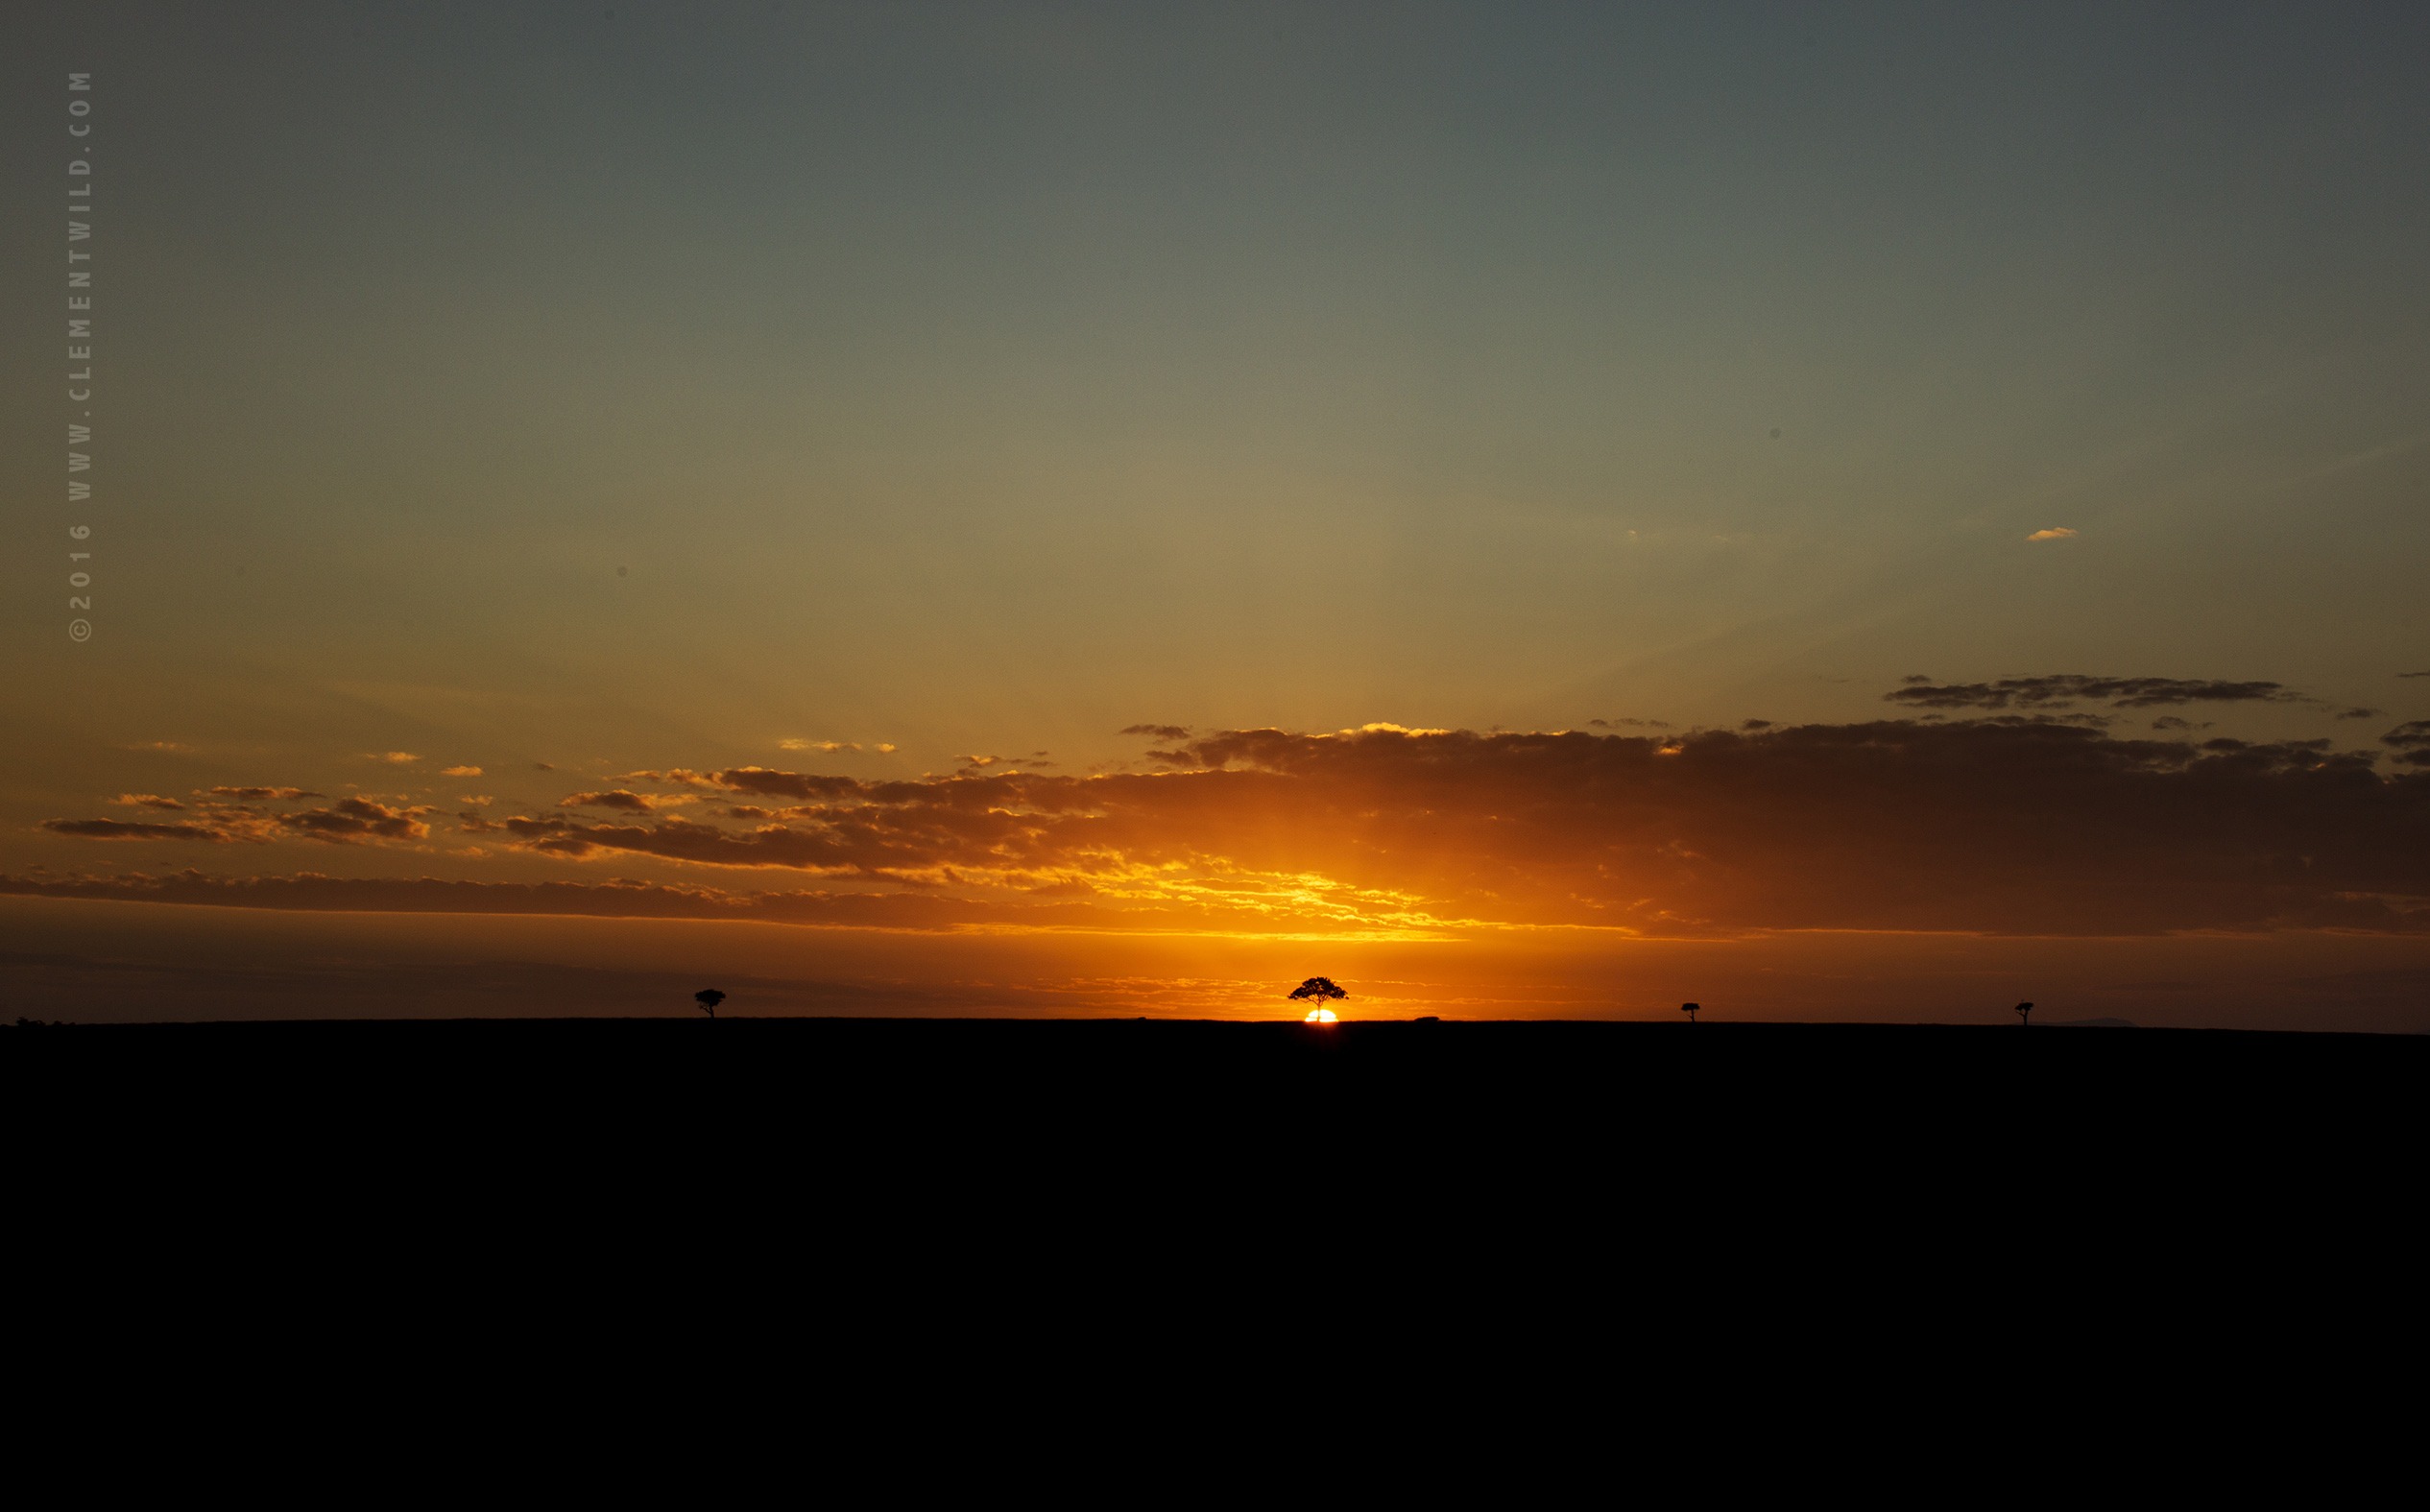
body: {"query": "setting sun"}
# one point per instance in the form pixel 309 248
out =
pixel 1324 1016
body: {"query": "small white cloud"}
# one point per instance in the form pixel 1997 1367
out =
pixel 393 758
pixel 2055 533
pixel 887 746
pixel 462 770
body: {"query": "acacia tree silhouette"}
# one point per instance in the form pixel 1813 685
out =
pixel 708 997
pixel 2023 1009
pixel 1690 1009
pixel 1317 990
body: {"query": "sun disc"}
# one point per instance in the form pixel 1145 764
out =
pixel 1323 1016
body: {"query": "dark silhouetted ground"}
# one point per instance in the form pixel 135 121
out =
pixel 818 1096
pixel 1743 1194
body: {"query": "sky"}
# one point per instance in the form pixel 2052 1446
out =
pixel 1862 511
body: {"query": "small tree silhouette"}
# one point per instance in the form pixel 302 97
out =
pixel 2022 1009
pixel 1317 990
pixel 1690 1009
pixel 708 997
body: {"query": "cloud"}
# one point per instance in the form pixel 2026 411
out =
pixel 677 777
pixel 257 794
pixel 350 821
pixel 2412 741
pixel 619 797
pixel 2360 714
pixel 145 801
pixel 677 840
pixel 119 829
pixel 2413 674
pixel 460 771
pixel 767 782
pixel 2062 691
pixel 2053 533
pixel 477 800
pixel 1159 731
pixel 771 783
pixel 887 746
pixel 159 745
pixel 817 745
pixel 393 758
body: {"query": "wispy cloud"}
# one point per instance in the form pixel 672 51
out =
pixel 975 763
pixel 121 829
pixel 460 771
pixel 623 799
pixel 2063 691
pixel 830 747
pixel 2053 533
pixel 2412 741
pixel 350 821
pixel 313 891
pixel 766 782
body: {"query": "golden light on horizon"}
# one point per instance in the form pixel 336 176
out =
pixel 1323 1016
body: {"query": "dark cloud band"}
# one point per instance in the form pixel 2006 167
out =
pixel 2010 824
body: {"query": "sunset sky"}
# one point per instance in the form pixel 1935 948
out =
pixel 1867 512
